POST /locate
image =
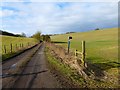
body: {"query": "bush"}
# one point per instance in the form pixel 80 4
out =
pixel 97 29
pixel 37 35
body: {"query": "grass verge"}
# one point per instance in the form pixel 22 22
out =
pixel 70 78
pixel 65 73
pixel 18 44
pixel 7 56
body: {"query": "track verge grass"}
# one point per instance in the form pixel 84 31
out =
pixel 70 78
pixel 65 74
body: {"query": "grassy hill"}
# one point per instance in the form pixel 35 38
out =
pixel 8 40
pixel 101 45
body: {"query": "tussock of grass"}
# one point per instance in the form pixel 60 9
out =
pixel 8 55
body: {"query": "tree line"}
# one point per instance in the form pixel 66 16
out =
pixel 37 35
pixel 40 37
pixel 11 34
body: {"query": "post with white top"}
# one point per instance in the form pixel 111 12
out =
pixel 69 43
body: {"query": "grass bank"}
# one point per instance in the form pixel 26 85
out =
pixel 71 78
pixel 18 44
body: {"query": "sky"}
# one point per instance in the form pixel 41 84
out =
pixel 56 17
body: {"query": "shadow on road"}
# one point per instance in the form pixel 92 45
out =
pixel 23 74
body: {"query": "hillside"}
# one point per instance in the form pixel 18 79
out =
pixel 101 50
pixel 101 45
pixel 9 34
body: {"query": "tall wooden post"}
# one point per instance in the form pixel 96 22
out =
pixel 11 47
pixel 28 44
pixel 22 45
pixel 16 46
pixel 83 52
pixel 5 48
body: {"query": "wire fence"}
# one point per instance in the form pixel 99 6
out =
pixel 11 48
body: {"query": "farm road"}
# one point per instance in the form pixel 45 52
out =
pixel 36 74
pixel 9 63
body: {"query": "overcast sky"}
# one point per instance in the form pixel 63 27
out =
pixel 57 17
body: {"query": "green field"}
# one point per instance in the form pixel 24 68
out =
pixel 101 45
pixel 101 50
pixel 15 41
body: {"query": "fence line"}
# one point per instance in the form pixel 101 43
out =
pixel 15 47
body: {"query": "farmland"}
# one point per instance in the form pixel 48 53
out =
pixel 101 45
pixel 101 52
pixel 101 49
pixel 18 43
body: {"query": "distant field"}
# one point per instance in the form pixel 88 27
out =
pixel 7 40
pixel 101 45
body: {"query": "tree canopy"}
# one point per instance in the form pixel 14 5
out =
pixel 37 35
pixel 46 38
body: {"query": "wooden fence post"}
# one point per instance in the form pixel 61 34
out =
pixel 16 46
pixel 5 48
pixel 22 45
pixel 83 52
pixel 28 44
pixel 11 47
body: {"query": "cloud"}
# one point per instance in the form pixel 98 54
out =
pixel 60 0
pixel 58 17
pixel 6 13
